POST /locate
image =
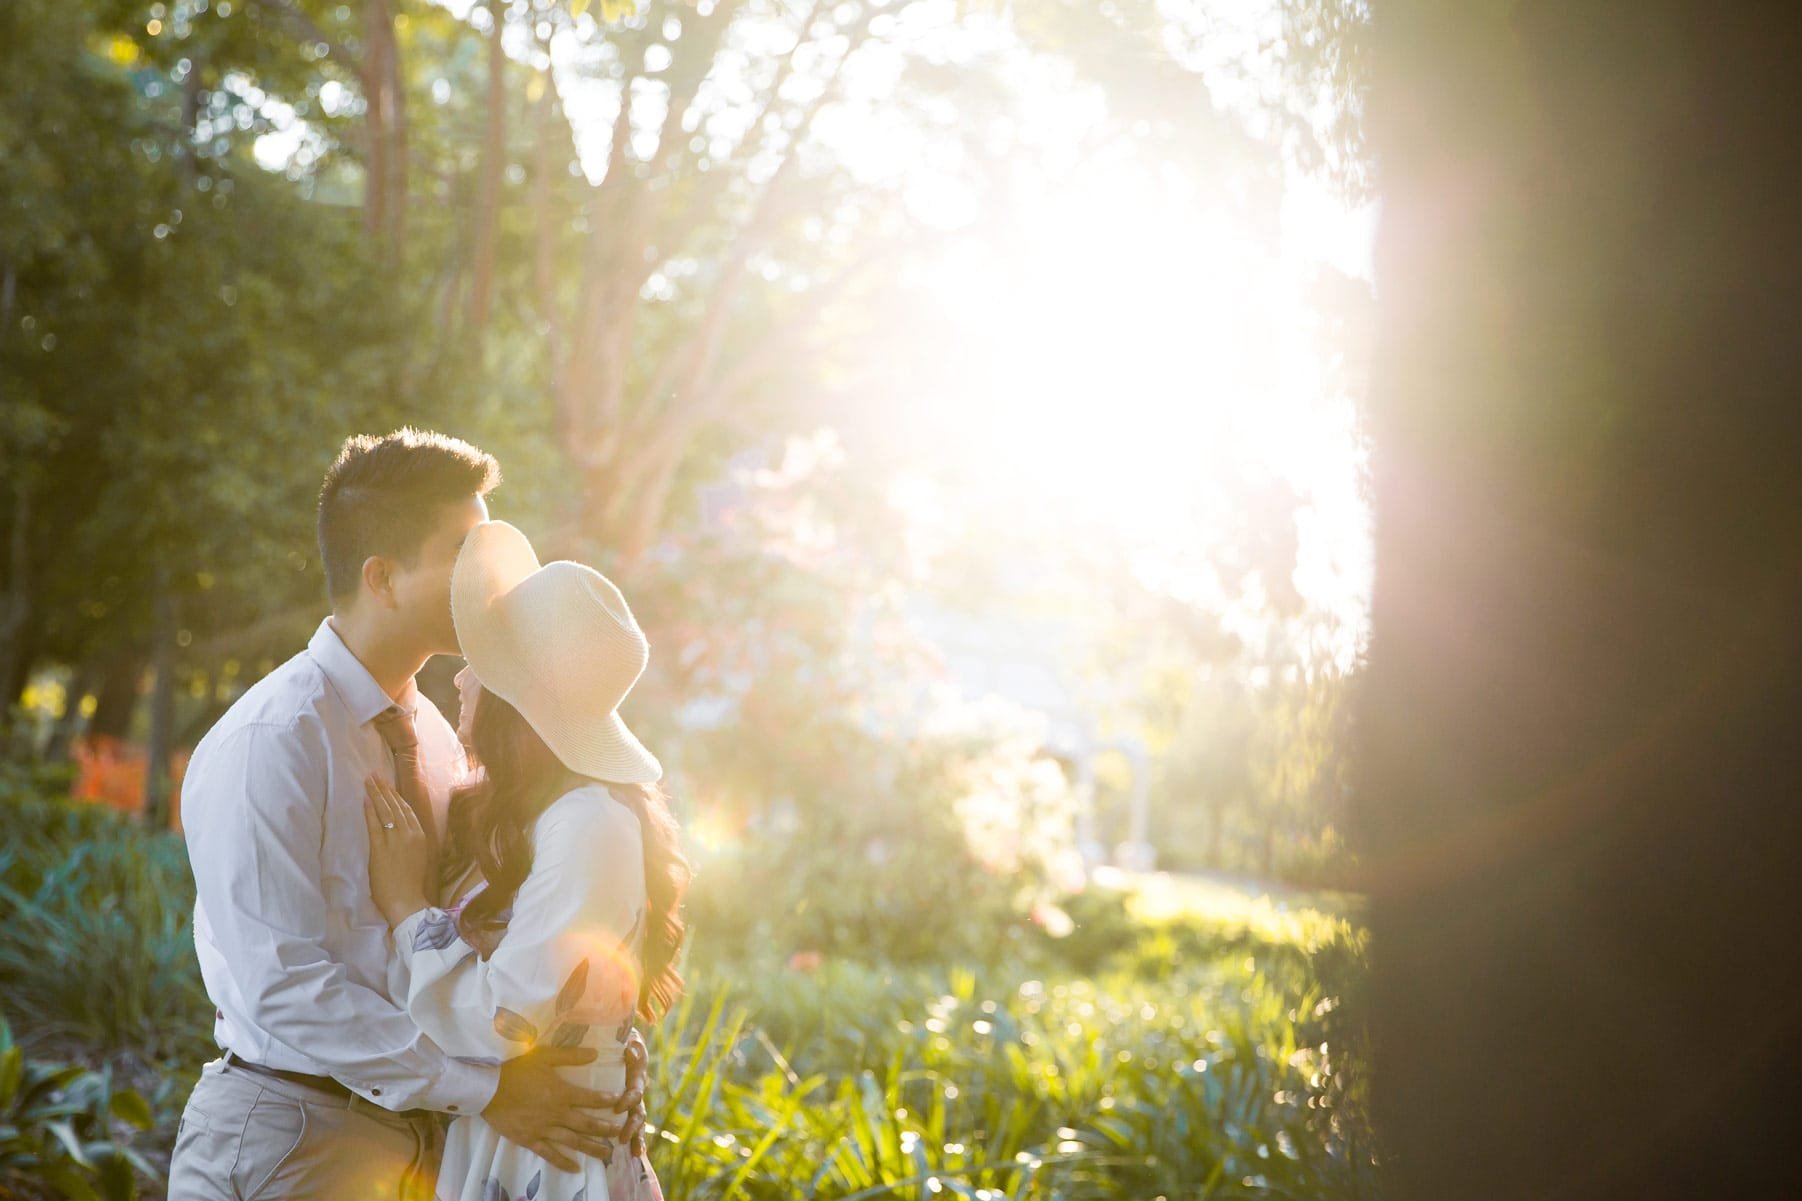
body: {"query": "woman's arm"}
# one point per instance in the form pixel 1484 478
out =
pixel 568 961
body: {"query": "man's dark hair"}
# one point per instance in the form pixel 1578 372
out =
pixel 382 495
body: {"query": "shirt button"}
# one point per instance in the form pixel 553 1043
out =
pixel 375 1092
pixel 452 1108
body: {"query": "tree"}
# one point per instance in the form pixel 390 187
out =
pixel 1579 776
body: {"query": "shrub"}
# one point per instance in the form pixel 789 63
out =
pixel 96 944
pixel 1192 1053
pixel 65 1131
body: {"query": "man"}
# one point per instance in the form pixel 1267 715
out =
pixel 326 1088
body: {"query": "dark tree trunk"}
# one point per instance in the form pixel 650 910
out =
pixel 120 674
pixel 1581 791
pixel 162 705
pixel 15 604
pixel 494 161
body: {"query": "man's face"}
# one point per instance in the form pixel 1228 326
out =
pixel 422 591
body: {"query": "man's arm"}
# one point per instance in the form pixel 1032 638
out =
pixel 256 855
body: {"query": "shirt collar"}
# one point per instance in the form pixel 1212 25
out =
pixel 352 681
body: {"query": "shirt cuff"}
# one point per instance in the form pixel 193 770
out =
pixel 428 929
pixel 465 1088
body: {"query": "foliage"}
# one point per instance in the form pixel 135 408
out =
pixel 1149 1059
pixel 1254 778
pixel 869 857
pixel 98 950
pixel 65 1131
pixel 855 1081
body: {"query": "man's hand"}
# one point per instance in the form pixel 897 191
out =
pixel 547 1115
pixel 631 1101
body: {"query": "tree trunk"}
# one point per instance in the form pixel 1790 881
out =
pixel 120 674
pixel 494 158
pixel 162 705
pixel 398 133
pixel 376 32
pixel 1580 773
pixel 385 126
pixel 545 249
pixel 15 605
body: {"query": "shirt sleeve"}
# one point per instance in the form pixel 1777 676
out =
pixel 568 963
pixel 257 871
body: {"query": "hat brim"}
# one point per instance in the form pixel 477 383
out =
pixel 606 750
pixel 496 558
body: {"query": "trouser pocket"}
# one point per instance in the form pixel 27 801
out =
pixel 207 1140
pixel 274 1132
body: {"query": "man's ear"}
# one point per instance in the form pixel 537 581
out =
pixel 378 581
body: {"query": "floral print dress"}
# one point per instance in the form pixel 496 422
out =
pixel 565 972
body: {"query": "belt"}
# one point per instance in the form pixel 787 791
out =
pixel 324 1083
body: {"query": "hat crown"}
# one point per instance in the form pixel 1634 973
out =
pixel 580 632
pixel 558 642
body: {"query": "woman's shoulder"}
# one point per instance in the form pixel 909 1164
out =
pixel 590 810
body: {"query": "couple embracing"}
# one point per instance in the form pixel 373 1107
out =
pixel 428 947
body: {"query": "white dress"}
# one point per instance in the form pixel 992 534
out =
pixel 566 972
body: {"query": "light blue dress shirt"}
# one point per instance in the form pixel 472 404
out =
pixel 294 953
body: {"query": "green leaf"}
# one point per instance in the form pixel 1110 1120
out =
pixel 130 1106
pixel 116 1180
pixel 12 1063
pixel 69 1182
pixel 65 1134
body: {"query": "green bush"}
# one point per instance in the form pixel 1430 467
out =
pixel 65 1131
pixel 97 950
pixel 883 871
pixel 1195 1055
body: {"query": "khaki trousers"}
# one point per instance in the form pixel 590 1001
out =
pixel 245 1137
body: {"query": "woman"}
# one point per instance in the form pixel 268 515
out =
pixel 560 861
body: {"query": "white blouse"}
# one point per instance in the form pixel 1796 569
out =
pixel 565 972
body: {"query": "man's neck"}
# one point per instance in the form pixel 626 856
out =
pixel 392 666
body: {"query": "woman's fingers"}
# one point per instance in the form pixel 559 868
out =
pixel 392 808
pixel 372 788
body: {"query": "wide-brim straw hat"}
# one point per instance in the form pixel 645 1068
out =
pixel 558 642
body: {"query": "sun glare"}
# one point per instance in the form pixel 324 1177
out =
pixel 1147 355
pixel 1148 360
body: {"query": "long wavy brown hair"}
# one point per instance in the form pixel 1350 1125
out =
pixel 517 777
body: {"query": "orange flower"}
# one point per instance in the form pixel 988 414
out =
pixel 111 772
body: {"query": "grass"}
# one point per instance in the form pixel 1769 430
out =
pixel 1223 1085
pixel 1205 1052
